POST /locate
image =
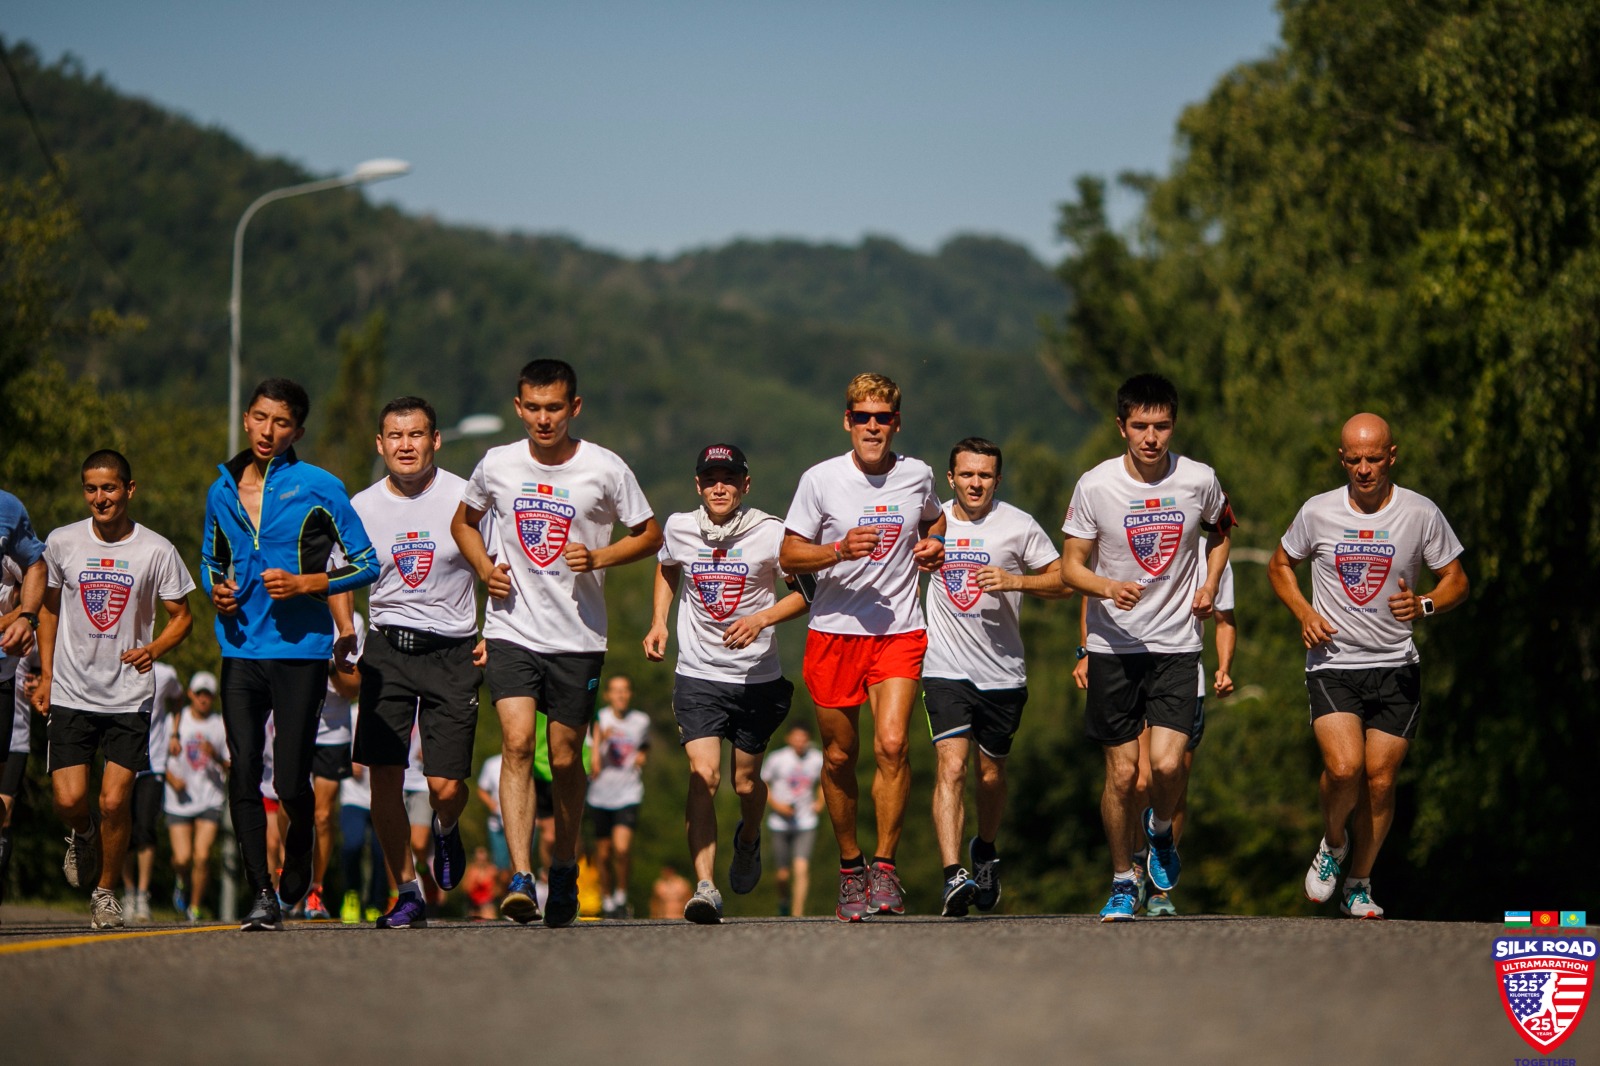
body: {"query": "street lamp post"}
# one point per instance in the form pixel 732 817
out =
pixel 370 171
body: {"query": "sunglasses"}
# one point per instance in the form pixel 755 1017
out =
pixel 883 418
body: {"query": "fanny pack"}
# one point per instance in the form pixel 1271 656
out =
pixel 418 641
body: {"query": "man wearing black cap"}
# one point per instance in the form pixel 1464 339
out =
pixel 729 683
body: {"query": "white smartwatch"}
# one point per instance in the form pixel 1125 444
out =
pixel 1427 605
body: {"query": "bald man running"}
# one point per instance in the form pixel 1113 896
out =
pixel 1367 543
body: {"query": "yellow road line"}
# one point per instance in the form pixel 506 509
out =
pixel 103 938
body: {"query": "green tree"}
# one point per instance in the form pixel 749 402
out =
pixel 345 445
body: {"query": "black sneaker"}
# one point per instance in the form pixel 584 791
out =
pixel 265 915
pixel 449 856
pixel 561 908
pixel 82 863
pixel 987 876
pixel 294 880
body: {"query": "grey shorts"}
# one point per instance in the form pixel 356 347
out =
pixel 418 810
pixel 210 814
pixel 791 844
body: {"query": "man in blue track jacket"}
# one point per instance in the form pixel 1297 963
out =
pixel 272 524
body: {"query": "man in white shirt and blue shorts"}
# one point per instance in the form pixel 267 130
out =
pixel 1368 543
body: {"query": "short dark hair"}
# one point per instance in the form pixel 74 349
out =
pixel 1151 391
pixel 108 459
pixel 543 372
pixel 404 405
pixel 284 391
pixel 977 446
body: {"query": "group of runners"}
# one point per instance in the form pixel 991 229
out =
pixel 1145 543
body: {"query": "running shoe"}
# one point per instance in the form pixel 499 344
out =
pixel 408 912
pixel 195 914
pixel 705 906
pixel 959 892
pixel 141 908
pixel 986 875
pixel 265 915
pixel 884 894
pixel 1159 905
pixel 1164 862
pixel 1358 902
pixel 373 914
pixel 449 855
pixel 519 904
pixel 1120 907
pixel 745 871
pixel 852 894
pixel 180 902
pixel 294 880
pixel 1323 876
pixel 105 909
pixel 82 861
pixel 562 906
pixel 350 911
pixel 316 910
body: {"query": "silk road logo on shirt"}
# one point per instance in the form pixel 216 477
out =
pixel 1154 531
pixel 413 556
pixel 1363 560
pixel 719 579
pixel 962 561
pixel 104 588
pixel 888 520
pixel 543 521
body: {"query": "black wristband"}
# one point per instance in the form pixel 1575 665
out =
pixel 32 619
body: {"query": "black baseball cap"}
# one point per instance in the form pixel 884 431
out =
pixel 721 457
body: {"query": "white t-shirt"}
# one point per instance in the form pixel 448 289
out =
pixel 356 791
pixel 1223 602
pixel 415 779
pixel 875 595
pixel 619 783
pixel 1357 561
pixel 108 607
pixel 169 694
pixel 793 780
pixel 201 774
pixel 489 781
pixel 975 635
pixel 730 579
pixel 10 592
pixel 336 724
pixel 538 510
pixel 424 582
pixel 1147 532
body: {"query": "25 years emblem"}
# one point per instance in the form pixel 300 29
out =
pixel 1544 985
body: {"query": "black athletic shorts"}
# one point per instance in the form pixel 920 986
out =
pixel 16 769
pixel 1128 692
pixel 960 708
pixel 544 799
pixel 331 762
pixel 747 715
pixel 75 735
pixel 149 790
pixel 435 690
pixel 604 819
pixel 1388 698
pixel 1199 723
pixel 563 686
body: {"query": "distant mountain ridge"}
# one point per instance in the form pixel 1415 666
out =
pixel 751 341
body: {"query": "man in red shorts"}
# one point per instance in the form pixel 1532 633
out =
pixel 864 523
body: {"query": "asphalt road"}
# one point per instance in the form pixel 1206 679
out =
pixel 1192 990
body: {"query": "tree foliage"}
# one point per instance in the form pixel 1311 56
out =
pixel 1396 211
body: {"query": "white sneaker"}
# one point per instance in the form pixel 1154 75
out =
pixel 705 908
pixel 1358 902
pixel 105 910
pixel 141 908
pixel 1324 872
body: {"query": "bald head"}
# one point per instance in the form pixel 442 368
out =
pixel 1366 429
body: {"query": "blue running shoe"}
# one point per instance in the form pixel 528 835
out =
pixel 561 907
pixel 520 904
pixel 1164 862
pixel 959 893
pixel 1160 906
pixel 408 912
pixel 180 902
pixel 449 856
pixel 1119 908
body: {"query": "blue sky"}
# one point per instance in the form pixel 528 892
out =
pixel 651 128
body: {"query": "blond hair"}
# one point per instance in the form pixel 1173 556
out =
pixel 865 387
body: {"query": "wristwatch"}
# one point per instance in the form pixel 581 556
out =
pixel 1427 605
pixel 31 618
pixel 1083 653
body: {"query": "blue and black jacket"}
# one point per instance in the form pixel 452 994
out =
pixel 305 514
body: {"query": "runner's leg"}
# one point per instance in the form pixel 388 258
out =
pixel 1374 811
pixel 891 701
pixel 839 729
pixel 700 811
pixel 1339 735
pixel 517 720
pixel 949 796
